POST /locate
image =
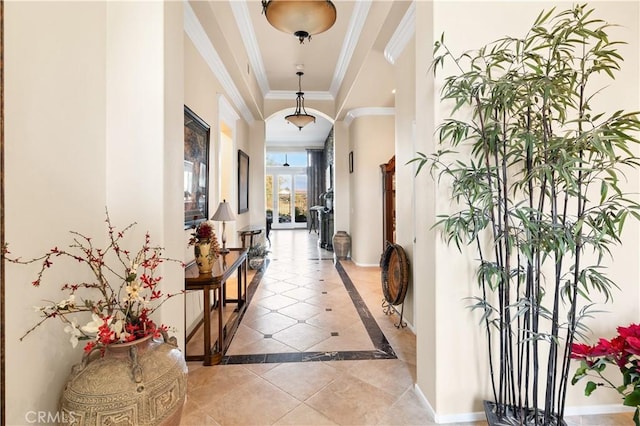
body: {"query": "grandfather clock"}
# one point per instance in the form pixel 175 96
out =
pixel 388 202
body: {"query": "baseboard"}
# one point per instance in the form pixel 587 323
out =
pixel 450 418
pixel 592 410
pixel 589 410
pixel 411 327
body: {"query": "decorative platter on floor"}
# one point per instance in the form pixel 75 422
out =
pixel 395 274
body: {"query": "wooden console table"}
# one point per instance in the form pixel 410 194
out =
pixel 227 264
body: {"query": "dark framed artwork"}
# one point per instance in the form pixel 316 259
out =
pixel 351 162
pixel 243 182
pixel 196 169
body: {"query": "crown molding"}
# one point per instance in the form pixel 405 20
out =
pixel 284 95
pixel 226 111
pixel 243 20
pixel 356 23
pixel 198 36
pixel 402 35
pixel 367 111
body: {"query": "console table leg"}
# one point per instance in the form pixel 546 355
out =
pixel 207 325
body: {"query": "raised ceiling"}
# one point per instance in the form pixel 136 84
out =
pixel 344 67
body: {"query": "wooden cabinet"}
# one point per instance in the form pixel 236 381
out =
pixel 388 202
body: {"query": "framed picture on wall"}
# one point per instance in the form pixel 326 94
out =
pixel 243 182
pixel 196 175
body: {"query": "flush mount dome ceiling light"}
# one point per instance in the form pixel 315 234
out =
pixel 302 18
pixel 300 118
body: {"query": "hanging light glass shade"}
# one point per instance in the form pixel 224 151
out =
pixel 300 118
pixel 302 18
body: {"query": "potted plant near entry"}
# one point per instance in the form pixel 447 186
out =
pixel 256 255
pixel 535 176
pixel 131 370
pixel 622 352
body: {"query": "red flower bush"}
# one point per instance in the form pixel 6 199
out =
pixel 119 300
pixel 623 351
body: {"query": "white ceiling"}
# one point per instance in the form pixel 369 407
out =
pixel 344 67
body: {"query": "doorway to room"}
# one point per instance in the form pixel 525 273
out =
pixel 286 190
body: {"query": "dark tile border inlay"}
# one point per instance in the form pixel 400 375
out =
pixel 383 349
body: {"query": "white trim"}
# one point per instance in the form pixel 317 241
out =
pixel 425 401
pixel 401 36
pixel 451 418
pixel 198 36
pixel 243 20
pixel 226 112
pixel 284 95
pixel 356 23
pixel 367 111
pixel 592 410
pixel 410 326
pixel 480 415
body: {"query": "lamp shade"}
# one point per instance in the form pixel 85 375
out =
pixel 300 120
pixel 302 18
pixel 224 213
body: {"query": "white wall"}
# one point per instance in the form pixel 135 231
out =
pixel 342 189
pixel 447 324
pixel 55 179
pixel 404 148
pixel 372 141
pixel 82 134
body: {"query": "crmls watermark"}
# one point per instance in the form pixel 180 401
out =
pixel 44 417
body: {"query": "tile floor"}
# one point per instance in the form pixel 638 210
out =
pixel 315 348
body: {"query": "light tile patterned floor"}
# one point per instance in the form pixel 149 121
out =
pixel 299 303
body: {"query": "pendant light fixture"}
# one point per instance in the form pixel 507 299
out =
pixel 286 163
pixel 300 118
pixel 302 18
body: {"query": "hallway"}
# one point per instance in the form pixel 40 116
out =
pixel 359 368
pixel 315 348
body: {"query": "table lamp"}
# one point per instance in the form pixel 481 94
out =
pixel 223 214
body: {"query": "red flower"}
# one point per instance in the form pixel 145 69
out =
pixel 581 351
pixel 633 330
pixel 634 345
pixel 621 351
pixel 118 300
pixel 89 346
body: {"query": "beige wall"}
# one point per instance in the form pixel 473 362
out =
pixel 206 97
pixel 87 126
pixel 454 381
pixel 404 148
pixel 96 120
pixel 372 139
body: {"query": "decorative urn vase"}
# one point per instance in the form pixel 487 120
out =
pixel 256 262
pixel 341 244
pixel 205 257
pixel 143 382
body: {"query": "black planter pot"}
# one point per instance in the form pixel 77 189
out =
pixel 510 418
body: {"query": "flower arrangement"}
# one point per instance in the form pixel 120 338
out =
pixel 119 298
pixel 258 250
pixel 203 234
pixel 622 351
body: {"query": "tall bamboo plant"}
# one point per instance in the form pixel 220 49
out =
pixel 539 195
